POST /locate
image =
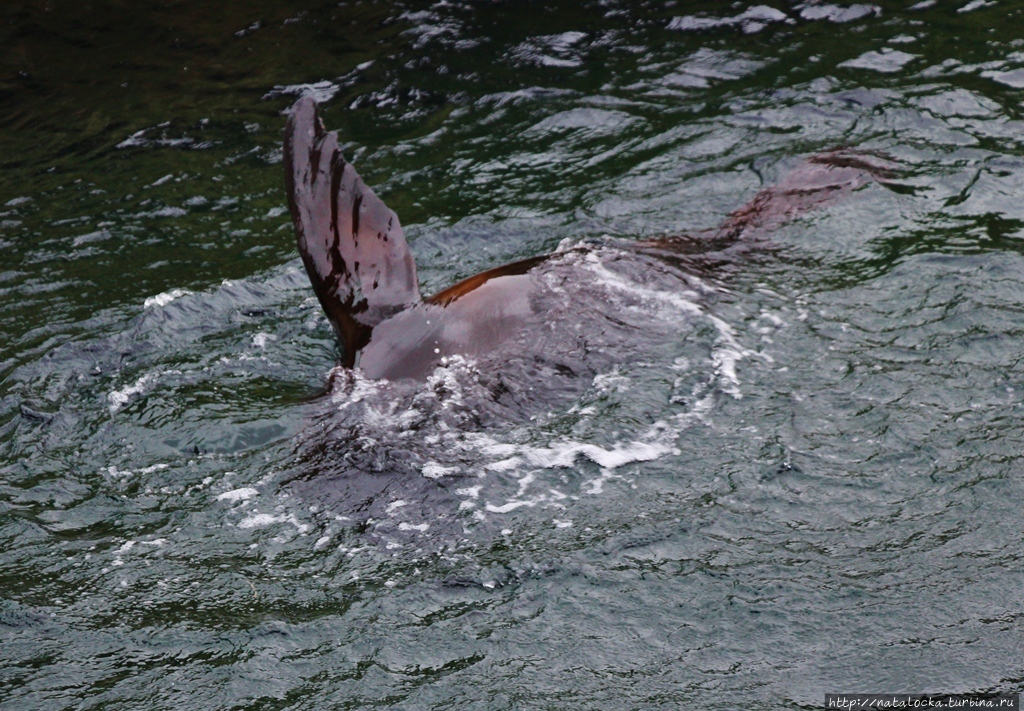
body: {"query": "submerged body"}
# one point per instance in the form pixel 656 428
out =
pixel 364 275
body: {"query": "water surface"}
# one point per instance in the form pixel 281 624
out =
pixel 802 478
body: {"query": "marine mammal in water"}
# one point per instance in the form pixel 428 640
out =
pixel 364 275
pixel 420 410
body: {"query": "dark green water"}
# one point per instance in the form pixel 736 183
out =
pixel 806 481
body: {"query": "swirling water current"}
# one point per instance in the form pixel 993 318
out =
pixel 794 474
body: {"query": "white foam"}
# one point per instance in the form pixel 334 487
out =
pixel 504 465
pixel 260 520
pixel 120 473
pixel 658 441
pixel 260 340
pixel 472 492
pixel 321 91
pixel 510 506
pixel 676 300
pixel 727 352
pixel 243 494
pixel 597 485
pixel 321 542
pixel 520 473
pixel 164 298
pixel 433 470
pixel 492 447
pixel 136 139
pixel 565 454
pixel 611 382
pixel 120 398
pixel 421 527
pixel 526 462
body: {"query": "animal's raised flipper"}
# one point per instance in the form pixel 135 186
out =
pixel 352 245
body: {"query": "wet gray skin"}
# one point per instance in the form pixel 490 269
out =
pixel 413 342
pixel 364 275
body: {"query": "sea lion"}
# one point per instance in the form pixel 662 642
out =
pixel 364 275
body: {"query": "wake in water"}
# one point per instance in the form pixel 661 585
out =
pixel 486 393
pixel 483 429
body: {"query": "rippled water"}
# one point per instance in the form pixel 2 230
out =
pixel 794 473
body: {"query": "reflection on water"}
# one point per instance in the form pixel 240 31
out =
pixel 801 478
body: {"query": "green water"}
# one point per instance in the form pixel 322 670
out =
pixel 797 475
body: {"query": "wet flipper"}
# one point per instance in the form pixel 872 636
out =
pixel 352 245
pixel 823 180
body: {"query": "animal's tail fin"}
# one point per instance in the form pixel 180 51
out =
pixel 351 243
